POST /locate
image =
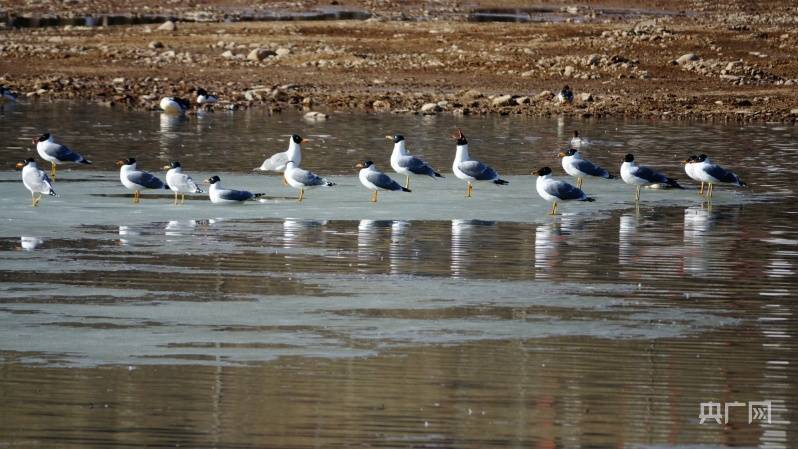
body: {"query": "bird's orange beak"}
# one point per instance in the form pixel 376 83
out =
pixel 305 141
pixel 167 167
pixel 35 140
pixel 561 154
pixel 686 161
pixel 359 165
pixel 19 166
pixel 120 162
pixel 389 137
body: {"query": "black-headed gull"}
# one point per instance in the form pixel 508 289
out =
pixel 35 180
pixel 470 170
pixel 553 190
pixel 711 173
pixel 220 195
pixel 375 180
pixel 277 162
pixel 405 164
pixel 303 179
pixel 55 153
pixel 137 180
pixel 639 175
pixel 574 165
pixel 180 182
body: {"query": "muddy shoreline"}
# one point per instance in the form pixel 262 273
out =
pixel 726 62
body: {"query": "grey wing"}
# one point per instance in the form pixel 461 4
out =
pixel 590 168
pixel 307 178
pixel 416 165
pixel 235 195
pixel 478 170
pixel 383 181
pixel 277 160
pixel 62 153
pixel 564 191
pixel 145 179
pixel 191 184
pixel 721 174
pixel 650 175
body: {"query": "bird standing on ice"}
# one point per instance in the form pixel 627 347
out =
pixel 179 182
pixel 303 179
pixel 375 180
pixel 405 164
pixel 553 190
pixel 55 153
pixel 35 180
pixel 711 173
pixel 137 180
pixel 277 162
pixel 639 175
pixel 470 170
pixel 220 195
pixel 574 165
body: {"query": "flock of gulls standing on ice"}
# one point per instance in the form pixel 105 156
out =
pixel 698 167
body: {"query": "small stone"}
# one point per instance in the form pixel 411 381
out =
pixel 316 116
pixel 118 80
pixel 259 54
pixel 528 73
pixel 733 65
pixel 430 108
pixel 794 111
pixel 685 58
pixel 569 70
pixel 545 95
pixel 381 105
pixel 167 26
pixel 503 100
pixel 585 97
pixel 282 52
pixel 523 100
pixel 155 45
pixel 472 94
pixel 228 55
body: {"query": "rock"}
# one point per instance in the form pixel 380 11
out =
pixel 503 100
pixel 685 58
pixel 316 116
pixel 733 65
pixel 430 108
pixel 794 111
pixel 545 95
pixel 118 81
pixel 523 100
pixel 585 97
pixel 167 26
pixel 228 55
pixel 472 94
pixel 528 73
pixel 155 45
pixel 569 70
pixel 282 52
pixel 259 54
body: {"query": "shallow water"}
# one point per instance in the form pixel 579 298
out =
pixel 426 320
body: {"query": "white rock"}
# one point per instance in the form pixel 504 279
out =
pixel 430 108
pixel 282 51
pixel 316 116
pixel 167 26
pixel 259 54
pixel 685 58
pixel 585 97
pixel 569 70
pixel 228 55
pixel 503 100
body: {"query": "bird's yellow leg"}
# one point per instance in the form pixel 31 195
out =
pixel 52 170
pixel 469 190
pixel 301 195
pixel 701 191
pixel 553 210
pixel 285 183
pixel 407 181
pixel 182 198
pixel 374 197
pixel 33 199
pixel 579 183
pixel 175 198
pixel 709 191
pixel 637 194
pixel 136 196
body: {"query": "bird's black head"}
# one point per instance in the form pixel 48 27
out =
pixel 701 157
pixel 576 133
pixel 460 137
pixel 175 164
pixel 201 91
pixel 566 88
pixel 29 160
pixel 43 138
pixel 570 152
pixel 544 171
pixel 130 160
pixel 398 138
pixel 628 158
pixel 213 179
pixel 296 139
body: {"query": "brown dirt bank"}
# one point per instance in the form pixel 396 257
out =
pixel 745 63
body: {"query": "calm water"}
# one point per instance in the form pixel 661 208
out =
pixel 423 321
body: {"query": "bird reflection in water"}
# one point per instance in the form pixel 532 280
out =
pixel 30 243
pixel 467 242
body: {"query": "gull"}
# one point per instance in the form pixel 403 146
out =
pixel 578 142
pixel 220 195
pixel 179 182
pixel 35 180
pixel 303 179
pixel 711 173
pixel 7 94
pixel 565 95
pixel 55 153
pixel 278 161
pixel 553 190
pixel 204 98
pixel 689 169
pixel 470 170
pixel 376 180
pixel 639 175
pixel 405 164
pixel 574 165
pixel 137 180
pixel 174 105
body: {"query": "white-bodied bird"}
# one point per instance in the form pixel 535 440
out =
pixel 204 98
pixel 137 180
pixel 179 182
pixel 639 175
pixel 220 195
pixel 174 105
pixel 405 164
pixel 35 180
pixel 277 162
pixel 375 180
pixel 711 173
pixel 470 170
pixel 55 153
pixel 574 165
pixel 303 179
pixel 553 190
